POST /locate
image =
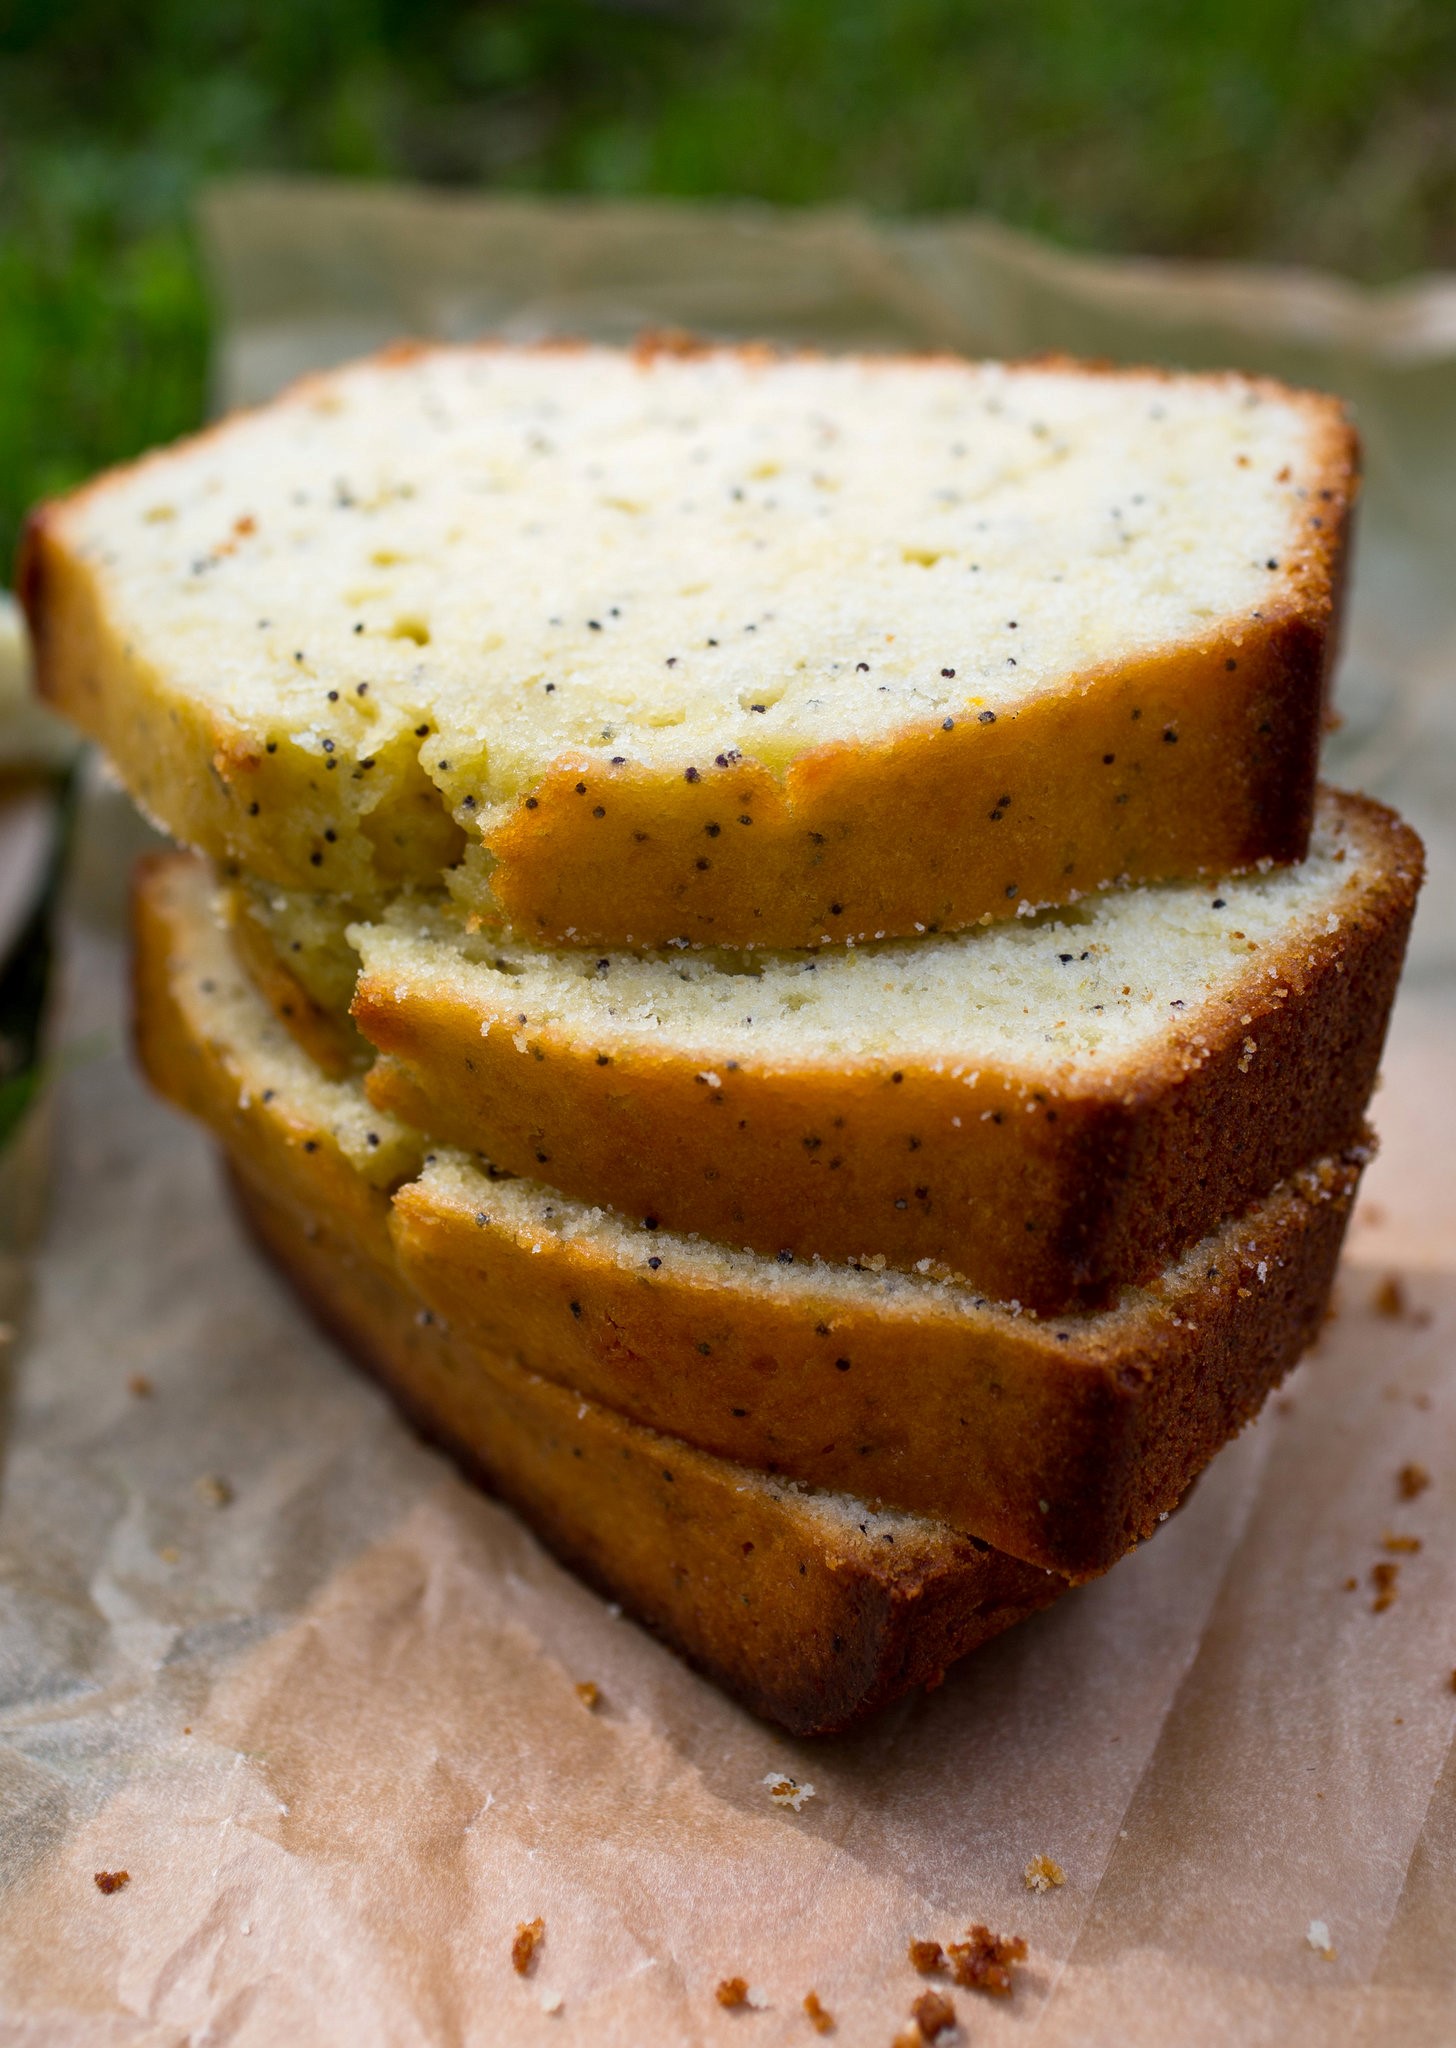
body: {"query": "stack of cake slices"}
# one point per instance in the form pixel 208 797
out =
pixel 762 943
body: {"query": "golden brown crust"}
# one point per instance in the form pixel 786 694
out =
pixel 1059 1442
pixel 1102 1187
pixel 854 842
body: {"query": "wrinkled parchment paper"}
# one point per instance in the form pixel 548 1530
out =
pixel 324 1714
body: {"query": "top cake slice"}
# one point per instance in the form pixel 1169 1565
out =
pixel 715 646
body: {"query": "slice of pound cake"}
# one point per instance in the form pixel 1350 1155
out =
pixel 813 1608
pixel 715 646
pixel 1062 1441
pixel 1051 1109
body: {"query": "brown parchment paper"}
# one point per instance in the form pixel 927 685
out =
pixel 329 1727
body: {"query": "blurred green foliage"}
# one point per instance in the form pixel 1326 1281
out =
pixel 1316 131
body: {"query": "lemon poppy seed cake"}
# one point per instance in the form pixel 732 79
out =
pixel 718 645
pixel 1051 1109
pixel 761 942
pixel 1060 1441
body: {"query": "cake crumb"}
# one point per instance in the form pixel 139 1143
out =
pixel 787 1791
pixel 1403 1545
pixel 529 1936
pixel 140 1386
pixel 589 1694
pixel 1351 1585
pixel 213 1489
pixel 732 1992
pixel 819 2018
pixel 1411 1481
pixel 1043 1874
pixel 1389 1297
pixel 1318 1937
pixel 1382 1578
pixel 551 2003
pixel 927 1957
pixel 109 1881
pixel 982 1962
pixel 933 2013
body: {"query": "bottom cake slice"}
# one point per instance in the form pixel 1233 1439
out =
pixel 812 1608
pixel 809 1607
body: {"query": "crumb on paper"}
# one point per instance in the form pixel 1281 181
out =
pixel 818 2016
pixel 734 1993
pixel 1043 1874
pixel 139 1386
pixel 529 1936
pixel 927 1957
pixel 1318 1937
pixel 589 1694
pixel 787 1791
pixel 1404 1546
pixel 1352 1585
pixel 1411 1481
pixel 1383 1577
pixel 982 1962
pixel 933 2013
pixel 551 2003
pixel 170 1554
pixel 1389 1297
pixel 213 1489
pixel 110 1881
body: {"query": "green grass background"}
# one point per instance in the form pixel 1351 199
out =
pixel 1312 131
